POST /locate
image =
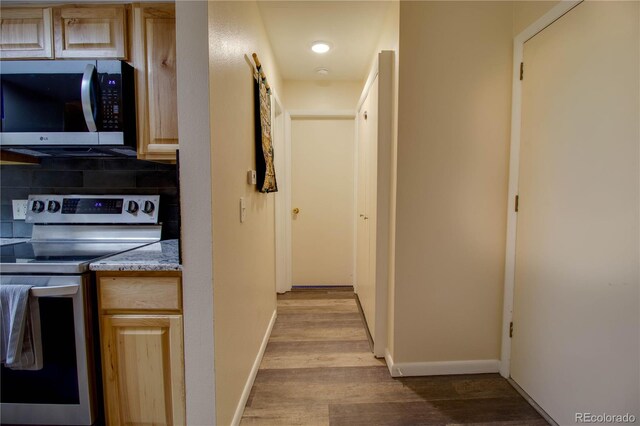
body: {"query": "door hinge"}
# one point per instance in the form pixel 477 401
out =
pixel 517 203
pixel 511 329
pixel 521 70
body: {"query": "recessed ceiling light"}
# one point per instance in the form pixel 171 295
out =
pixel 322 71
pixel 320 47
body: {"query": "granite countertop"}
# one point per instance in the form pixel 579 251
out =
pixel 160 256
pixel 7 241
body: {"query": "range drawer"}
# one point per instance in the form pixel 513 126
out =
pixel 140 293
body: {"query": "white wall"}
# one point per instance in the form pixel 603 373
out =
pixel 322 95
pixel 195 179
pixel 243 258
pixel 526 12
pixel 453 145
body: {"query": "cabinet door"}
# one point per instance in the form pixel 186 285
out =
pixel 155 62
pixel 26 33
pixel 90 32
pixel 143 369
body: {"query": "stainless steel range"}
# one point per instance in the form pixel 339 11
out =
pixel 69 232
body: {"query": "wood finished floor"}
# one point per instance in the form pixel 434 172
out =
pixel 318 370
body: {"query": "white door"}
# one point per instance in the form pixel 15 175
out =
pixel 576 328
pixel 366 208
pixel 322 163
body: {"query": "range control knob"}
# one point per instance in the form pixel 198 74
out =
pixel 149 207
pixel 38 206
pixel 53 206
pixel 132 207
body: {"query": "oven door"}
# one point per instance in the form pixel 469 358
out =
pixel 62 392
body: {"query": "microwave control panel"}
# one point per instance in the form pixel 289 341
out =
pixel 111 91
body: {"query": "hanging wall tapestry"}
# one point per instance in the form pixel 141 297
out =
pixel 265 170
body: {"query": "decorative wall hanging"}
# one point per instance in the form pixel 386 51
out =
pixel 266 172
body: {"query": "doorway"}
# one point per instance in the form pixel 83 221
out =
pixel 358 166
pixel 322 178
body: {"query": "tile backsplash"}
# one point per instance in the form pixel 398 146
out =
pixel 89 176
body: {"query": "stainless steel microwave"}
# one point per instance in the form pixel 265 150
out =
pixel 68 107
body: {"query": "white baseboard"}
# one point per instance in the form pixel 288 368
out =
pixel 252 375
pixel 405 369
pixel 389 360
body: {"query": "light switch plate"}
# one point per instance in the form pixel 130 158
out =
pixel 19 209
pixel 252 178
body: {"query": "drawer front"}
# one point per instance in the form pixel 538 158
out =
pixel 140 293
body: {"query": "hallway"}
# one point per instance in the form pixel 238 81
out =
pixel 318 370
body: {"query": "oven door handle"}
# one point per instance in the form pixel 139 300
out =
pixel 55 291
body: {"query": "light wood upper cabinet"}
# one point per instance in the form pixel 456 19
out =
pixel 90 31
pixel 142 348
pixel 64 32
pixel 154 58
pixel 148 30
pixel 26 33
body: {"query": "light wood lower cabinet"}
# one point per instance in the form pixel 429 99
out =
pixel 142 349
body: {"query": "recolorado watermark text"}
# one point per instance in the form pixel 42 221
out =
pixel 605 418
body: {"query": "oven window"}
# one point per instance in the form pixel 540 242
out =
pixel 57 381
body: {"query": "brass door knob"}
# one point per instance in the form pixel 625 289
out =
pixel 296 210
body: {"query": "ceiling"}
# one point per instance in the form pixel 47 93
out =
pixel 352 28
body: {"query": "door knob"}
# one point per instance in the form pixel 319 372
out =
pixel 296 210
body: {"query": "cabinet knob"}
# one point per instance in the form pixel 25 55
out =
pixel 296 210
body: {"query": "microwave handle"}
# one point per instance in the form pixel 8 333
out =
pixel 85 96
